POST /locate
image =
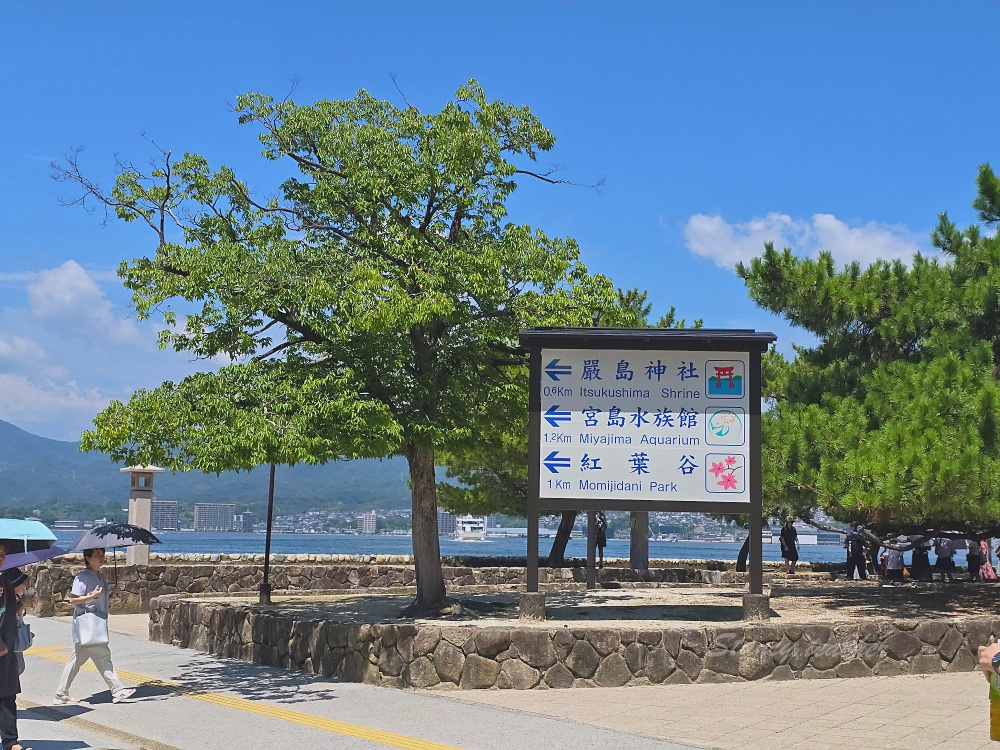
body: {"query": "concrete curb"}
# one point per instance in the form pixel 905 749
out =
pixel 143 743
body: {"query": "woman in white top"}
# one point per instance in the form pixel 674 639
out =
pixel 894 560
pixel 90 595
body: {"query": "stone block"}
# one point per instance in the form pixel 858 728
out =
pixel 492 641
pixel 925 664
pixel 521 676
pixel 755 661
pixel 421 673
pixel 901 645
pixel 532 606
pixel 707 676
pixel 390 663
pixel 825 656
pixel 798 654
pixel 810 673
pixel 756 607
pixel 722 661
pixel 887 667
pixel 763 633
pixel 449 661
pixel 978 633
pixel 690 663
pixel 964 661
pixel 678 677
pixel 854 668
pixel 534 647
pixel 950 644
pixel 558 676
pixel 478 673
pixel 651 637
pixel 563 642
pixel 694 640
pixel 604 641
pixel 782 672
pixel 931 631
pixel 659 665
pixel 426 640
pixel 635 657
pixel 583 660
pixel 672 642
pixel 612 672
pixel 817 633
pixel 728 639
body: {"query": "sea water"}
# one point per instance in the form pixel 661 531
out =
pixel 182 542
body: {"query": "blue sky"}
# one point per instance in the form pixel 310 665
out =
pixel 715 126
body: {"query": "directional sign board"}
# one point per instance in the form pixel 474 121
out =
pixel 645 420
pixel 645 425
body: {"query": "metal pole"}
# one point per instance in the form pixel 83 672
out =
pixel 265 586
pixel 591 551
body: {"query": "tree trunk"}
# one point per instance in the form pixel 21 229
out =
pixel 557 555
pixel 741 558
pixel 426 545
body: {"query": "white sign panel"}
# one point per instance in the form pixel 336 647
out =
pixel 645 425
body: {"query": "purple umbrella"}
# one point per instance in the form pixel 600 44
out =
pixel 33 556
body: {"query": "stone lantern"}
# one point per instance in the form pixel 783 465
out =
pixel 140 508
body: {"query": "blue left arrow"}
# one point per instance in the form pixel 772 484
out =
pixel 553 416
pixel 553 462
pixel 555 370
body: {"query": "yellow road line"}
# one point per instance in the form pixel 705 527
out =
pixel 391 739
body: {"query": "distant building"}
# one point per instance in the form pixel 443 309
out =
pixel 165 515
pixel 245 521
pixel 214 516
pixel 492 522
pixel 368 523
pixel 447 523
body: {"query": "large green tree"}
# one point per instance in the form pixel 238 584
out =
pixel 384 284
pixel 892 417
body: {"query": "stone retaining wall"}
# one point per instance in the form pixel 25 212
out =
pixel 241 574
pixel 548 656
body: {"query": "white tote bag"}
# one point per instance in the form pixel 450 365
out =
pixel 91 629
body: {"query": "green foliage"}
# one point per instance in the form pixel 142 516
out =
pixel 892 417
pixel 371 307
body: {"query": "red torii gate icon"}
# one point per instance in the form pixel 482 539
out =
pixel 724 372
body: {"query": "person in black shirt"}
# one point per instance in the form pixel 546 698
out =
pixel 856 553
pixel 789 545
pixel 601 536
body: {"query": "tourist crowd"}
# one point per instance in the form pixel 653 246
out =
pixel 864 558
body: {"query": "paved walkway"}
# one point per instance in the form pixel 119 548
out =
pixel 191 701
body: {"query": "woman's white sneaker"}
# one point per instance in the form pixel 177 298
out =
pixel 122 695
pixel 65 700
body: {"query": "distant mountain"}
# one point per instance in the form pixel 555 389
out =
pixel 36 472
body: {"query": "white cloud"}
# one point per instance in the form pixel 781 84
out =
pixel 21 354
pixel 17 278
pixel 70 297
pixel 28 404
pixel 726 244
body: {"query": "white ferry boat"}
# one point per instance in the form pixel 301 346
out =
pixel 470 529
